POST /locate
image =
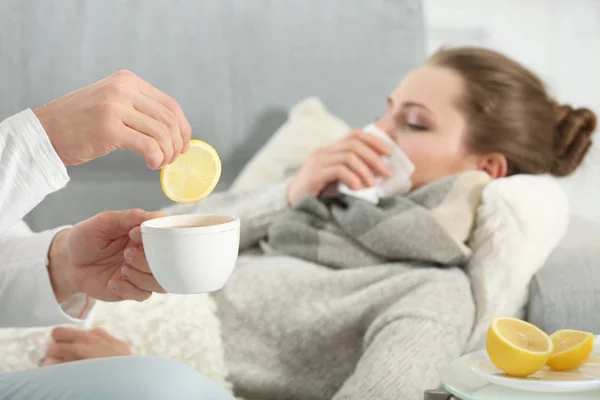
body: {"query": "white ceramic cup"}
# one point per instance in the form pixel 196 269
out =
pixel 191 253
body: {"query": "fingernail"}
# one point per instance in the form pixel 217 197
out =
pixel 125 271
pixel 186 147
pixel 128 255
pixel 112 286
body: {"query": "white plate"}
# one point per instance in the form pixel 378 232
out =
pixel 584 379
pixel 459 379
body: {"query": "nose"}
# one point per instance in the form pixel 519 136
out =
pixel 388 127
pixel 385 125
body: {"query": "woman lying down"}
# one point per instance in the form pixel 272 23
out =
pixel 343 299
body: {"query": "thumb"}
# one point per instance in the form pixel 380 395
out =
pixel 154 214
pixel 125 220
pixel 135 234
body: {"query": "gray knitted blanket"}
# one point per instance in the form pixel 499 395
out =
pixel 429 226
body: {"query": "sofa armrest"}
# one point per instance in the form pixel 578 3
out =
pixel 565 293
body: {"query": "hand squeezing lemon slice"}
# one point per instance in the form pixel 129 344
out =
pixel 193 175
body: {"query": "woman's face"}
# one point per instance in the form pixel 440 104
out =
pixel 423 117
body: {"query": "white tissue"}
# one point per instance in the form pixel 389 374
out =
pixel 397 184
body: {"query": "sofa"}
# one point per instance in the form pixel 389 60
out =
pixel 237 67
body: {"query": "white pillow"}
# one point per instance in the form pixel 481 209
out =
pixel 520 221
pixel 309 126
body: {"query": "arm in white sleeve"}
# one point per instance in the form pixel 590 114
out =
pixel 30 168
pixel 26 295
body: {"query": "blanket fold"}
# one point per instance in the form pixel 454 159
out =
pixel 429 226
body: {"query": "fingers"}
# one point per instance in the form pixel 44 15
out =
pixel 67 335
pixel 154 215
pixel 135 235
pixel 342 173
pixel 65 352
pixel 368 148
pixel 136 258
pixel 144 146
pixel 148 126
pixel 127 291
pixel 120 223
pixel 48 361
pixel 141 280
pixel 152 108
pixel 138 273
pixel 354 160
pixel 355 164
pixel 65 346
pixel 170 103
pixel 372 141
pixel 101 332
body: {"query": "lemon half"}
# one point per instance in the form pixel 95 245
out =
pixel 193 175
pixel 571 349
pixel 517 347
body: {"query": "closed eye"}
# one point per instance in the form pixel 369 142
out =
pixel 414 127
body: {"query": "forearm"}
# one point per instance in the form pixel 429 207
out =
pixel 30 170
pixel 405 346
pixel 256 210
pixel 403 361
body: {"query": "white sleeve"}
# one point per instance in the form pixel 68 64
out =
pixel 26 295
pixel 30 168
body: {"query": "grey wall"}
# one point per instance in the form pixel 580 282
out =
pixel 236 66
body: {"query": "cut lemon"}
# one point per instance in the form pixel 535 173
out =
pixel 571 349
pixel 193 175
pixel 517 347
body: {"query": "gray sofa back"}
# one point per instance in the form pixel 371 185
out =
pixel 235 66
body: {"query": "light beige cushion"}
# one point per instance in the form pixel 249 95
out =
pixel 309 126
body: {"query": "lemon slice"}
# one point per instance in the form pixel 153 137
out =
pixel 571 349
pixel 193 175
pixel 517 347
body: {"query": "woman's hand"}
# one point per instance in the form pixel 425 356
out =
pixel 69 344
pixel 354 160
pixel 104 258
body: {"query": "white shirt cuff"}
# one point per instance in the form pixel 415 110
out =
pixel 26 295
pixel 42 151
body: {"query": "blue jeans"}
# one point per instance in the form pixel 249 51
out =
pixel 115 378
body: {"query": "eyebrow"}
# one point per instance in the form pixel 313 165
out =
pixel 415 104
pixel 409 104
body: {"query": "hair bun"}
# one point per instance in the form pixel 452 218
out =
pixel 573 138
